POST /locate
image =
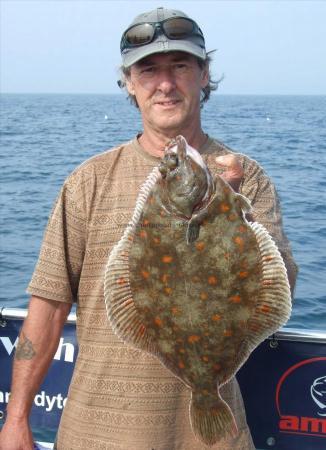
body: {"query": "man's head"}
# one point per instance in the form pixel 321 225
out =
pixel 151 28
pixel 166 69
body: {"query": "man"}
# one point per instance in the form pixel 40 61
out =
pixel 122 398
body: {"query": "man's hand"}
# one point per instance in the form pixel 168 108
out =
pixel 231 170
pixel 16 435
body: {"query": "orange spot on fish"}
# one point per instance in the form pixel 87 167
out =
pixel 168 290
pixel 167 259
pixel 156 240
pixel 216 317
pixel 235 299
pixel 181 365
pixel 212 280
pixel 232 217
pixel 158 321
pixel 193 338
pixel 200 246
pixel 182 350
pixel 145 222
pixel 162 213
pixel 228 333
pixel 254 327
pixel 238 240
pixel 175 310
pixel 242 229
pixel 142 330
pixel 217 367
pixel 243 274
pixel 224 207
pixel 130 238
pixel 265 309
pixel 203 296
pixel 205 358
pixel 145 274
pixel 121 281
pixel 165 278
pixel 143 234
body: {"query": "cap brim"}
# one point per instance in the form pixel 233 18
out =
pixel 132 55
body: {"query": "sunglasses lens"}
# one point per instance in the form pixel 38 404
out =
pixel 140 34
pixel 178 28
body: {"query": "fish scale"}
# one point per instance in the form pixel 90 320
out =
pixel 202 287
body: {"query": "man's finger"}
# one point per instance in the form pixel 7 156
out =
pixel 230 169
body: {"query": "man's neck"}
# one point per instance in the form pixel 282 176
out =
pixel 155 142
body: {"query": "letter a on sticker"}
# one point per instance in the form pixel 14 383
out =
pixel 289 423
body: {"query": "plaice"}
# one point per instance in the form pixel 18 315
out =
pixel 195 284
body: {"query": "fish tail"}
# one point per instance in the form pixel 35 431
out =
pixel 212 422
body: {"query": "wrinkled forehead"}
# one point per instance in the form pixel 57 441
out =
pixel 164 58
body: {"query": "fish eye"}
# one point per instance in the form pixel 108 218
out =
pixel 162 168
pixel 172 163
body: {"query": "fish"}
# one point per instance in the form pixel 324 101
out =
pixel 196 284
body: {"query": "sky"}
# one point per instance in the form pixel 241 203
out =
pixel 72 46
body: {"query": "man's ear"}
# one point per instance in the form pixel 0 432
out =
pixel 204 77
pixel 130 86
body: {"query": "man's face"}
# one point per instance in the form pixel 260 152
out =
pixel 167 88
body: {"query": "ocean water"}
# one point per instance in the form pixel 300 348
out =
pixel 44 137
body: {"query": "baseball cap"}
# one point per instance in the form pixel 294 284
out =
pixel 161 40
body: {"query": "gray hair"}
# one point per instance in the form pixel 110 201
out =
pixel 205 92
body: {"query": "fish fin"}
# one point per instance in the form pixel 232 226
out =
pixel 192 231
pixel 244 203
pixel 181 147
pixel 273 306
pixel 213 423
pixel 121 310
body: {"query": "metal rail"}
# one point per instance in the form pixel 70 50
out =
pixel 21 314
pixel 284 334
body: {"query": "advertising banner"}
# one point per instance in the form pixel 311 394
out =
pixel 50 399
pixel 284 389
pixel 283 384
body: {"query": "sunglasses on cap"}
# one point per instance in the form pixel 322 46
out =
pixel 173 28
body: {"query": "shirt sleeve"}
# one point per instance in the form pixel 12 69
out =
pixel 57 272
pixel 266 209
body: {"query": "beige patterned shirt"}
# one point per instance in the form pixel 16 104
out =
pixel 121 398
